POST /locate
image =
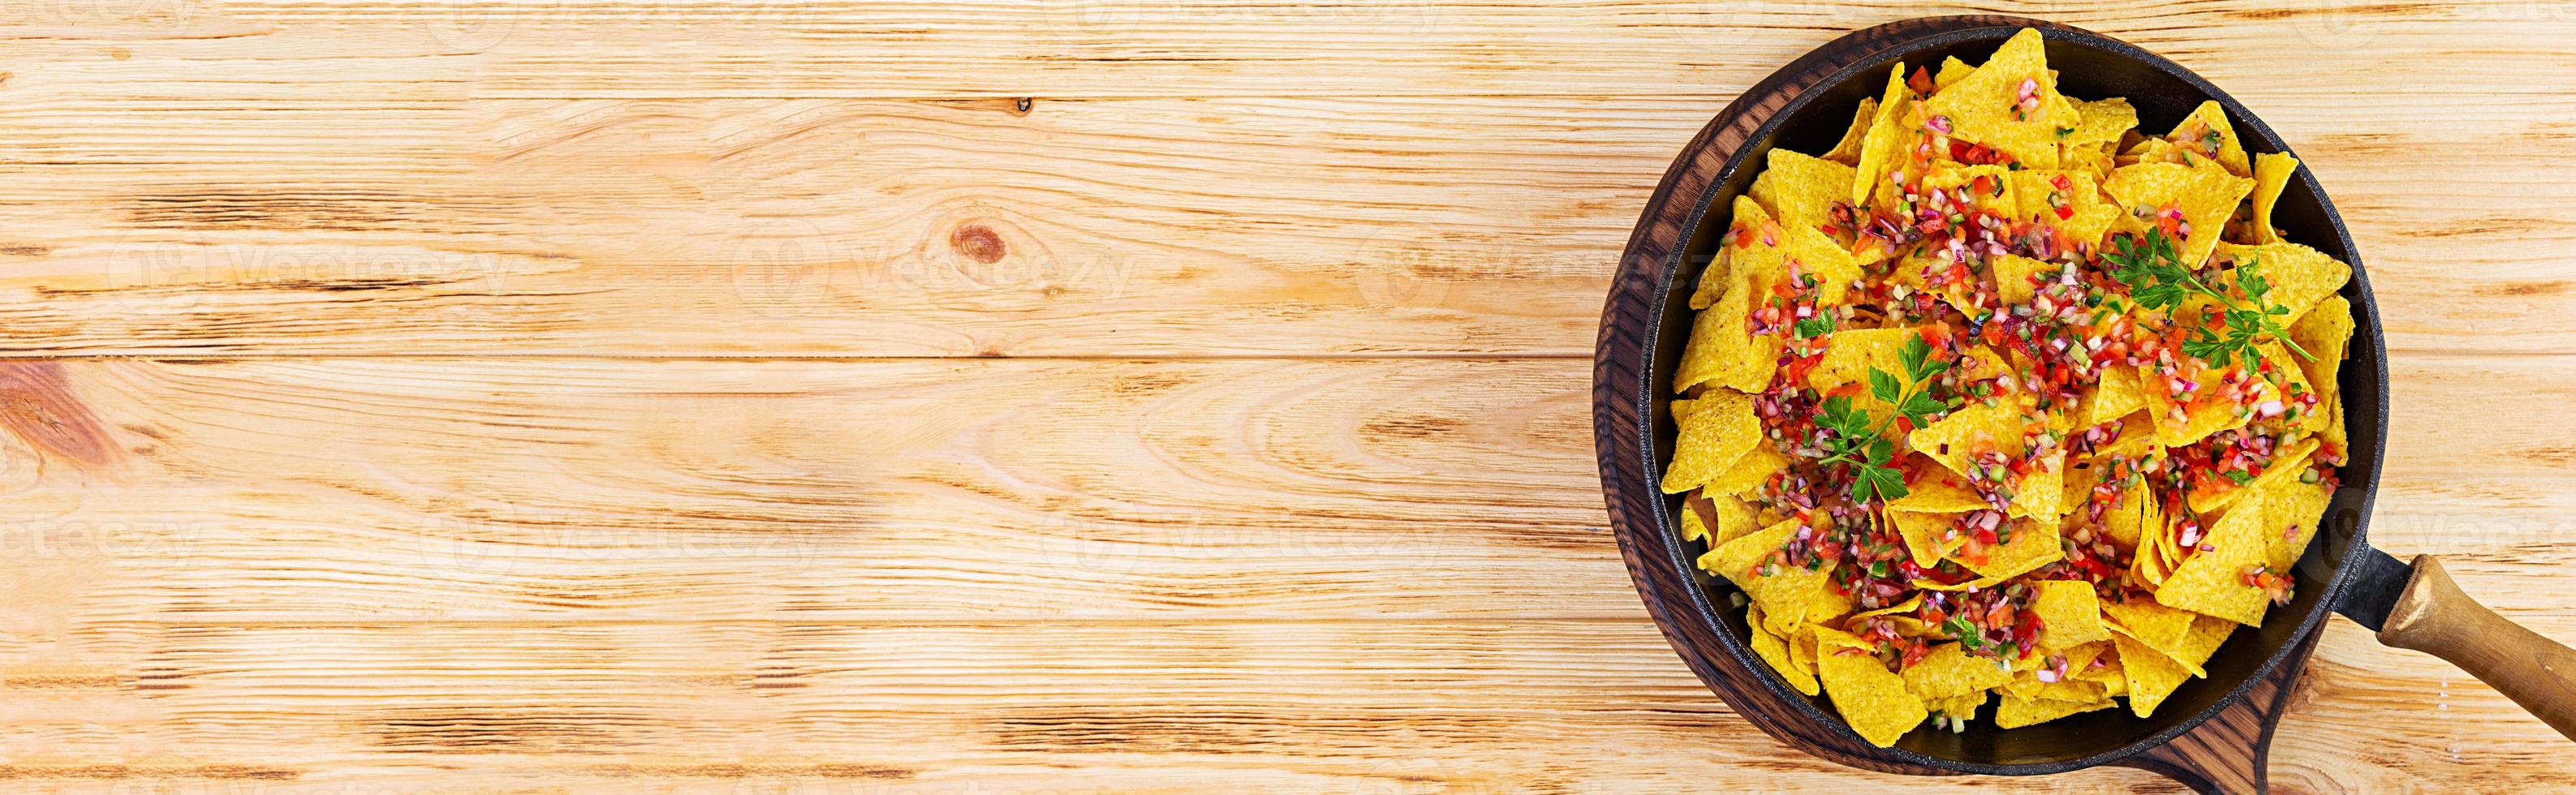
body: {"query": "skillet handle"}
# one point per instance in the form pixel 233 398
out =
pixel 2435 617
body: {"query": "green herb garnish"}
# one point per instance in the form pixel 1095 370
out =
pixel 2158 279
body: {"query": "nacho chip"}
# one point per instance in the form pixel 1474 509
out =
pixel 1847 151
pixel 1800 190
pixel 2300 276
pixel 2077 210
pixel 2118 393
pixel 2272 172
pixel 2015 713
pixel 1952 440
pixel 1748 473
pixel 2070 613
pixel 1987 188
pixel 2032 545
pixel 2291 460
pixel 2041 494
pixel 2323 332
pixel 2030 688
pixel 1988 107
pixel 2152 676
pixel 2128 521
pixel 1720 431
pixel 2206 195
pixel 1692 528
pixel 2292 513
pixel 1774 649
pixel 1939 494
pixel 1962 706
pixel 1883 150
pixel 2206 133
pixel 1788 595
pixel 1735 519
pixel 1723 351
pixel 2154 624
pixel 1922 533
pixel 1870 698
pixel 1950 671
pixel 2017 278
pixel 1751 243
pixel 2211 578
pixel 1952 71
pixel 2099 124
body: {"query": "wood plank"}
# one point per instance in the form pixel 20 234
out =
pixel 1152 227
pixel 1397 706
pixel 242 49
pixel 455 489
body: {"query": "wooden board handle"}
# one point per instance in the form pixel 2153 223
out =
pixel 2435 617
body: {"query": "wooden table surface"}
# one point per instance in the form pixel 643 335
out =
pixel 755 396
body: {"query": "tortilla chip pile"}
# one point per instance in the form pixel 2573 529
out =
pixel 2002 400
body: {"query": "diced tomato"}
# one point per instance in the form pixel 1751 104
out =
pixel 1920 81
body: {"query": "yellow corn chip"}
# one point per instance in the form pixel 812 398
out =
pixel 2211 580
pixel 2323 332
pixel 1723 350
pixel 1790 595
pixel 1870 698
pixel 2272 172
pixel 2286 465
pixel 2088 216
pixel 1735 519
pixel 1800 190
pixel 2129 519
pixel 1950 671
pixel 1953 440
pixel 2032 545
pixel 2155 624
pixel 1720 431
pixel 2202 640
pixel 1761 235
pixel 2015 713
pixel 2017 278
pixel 2300 276
pixel 1749 472
pixel 2115 396
pixel 1939 494
pixel 2027 687
pixel 1775 650
pixel 2292 511
pixel 1802 648
pixel 1922 533
pixel 2041 494
pixel 2070 612
pixel 1883 151
pixel 1984 106
pixel 1847 151
pixel 1962 181
pixel 2152 676
pixel 1952 71
pixel 1692 528
pixel 1962 706
pixel 2205 194
pixel 2206 133
pixel 2099 123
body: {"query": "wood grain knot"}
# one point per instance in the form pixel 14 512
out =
pixel 979 243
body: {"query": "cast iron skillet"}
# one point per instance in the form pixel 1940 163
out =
pixel 1806 107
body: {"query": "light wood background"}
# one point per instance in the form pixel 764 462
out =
pixel 753 396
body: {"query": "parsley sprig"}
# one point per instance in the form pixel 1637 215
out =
pixel 1861 442
pixel 2157 279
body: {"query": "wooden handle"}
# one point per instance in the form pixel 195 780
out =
pixel 2434 617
